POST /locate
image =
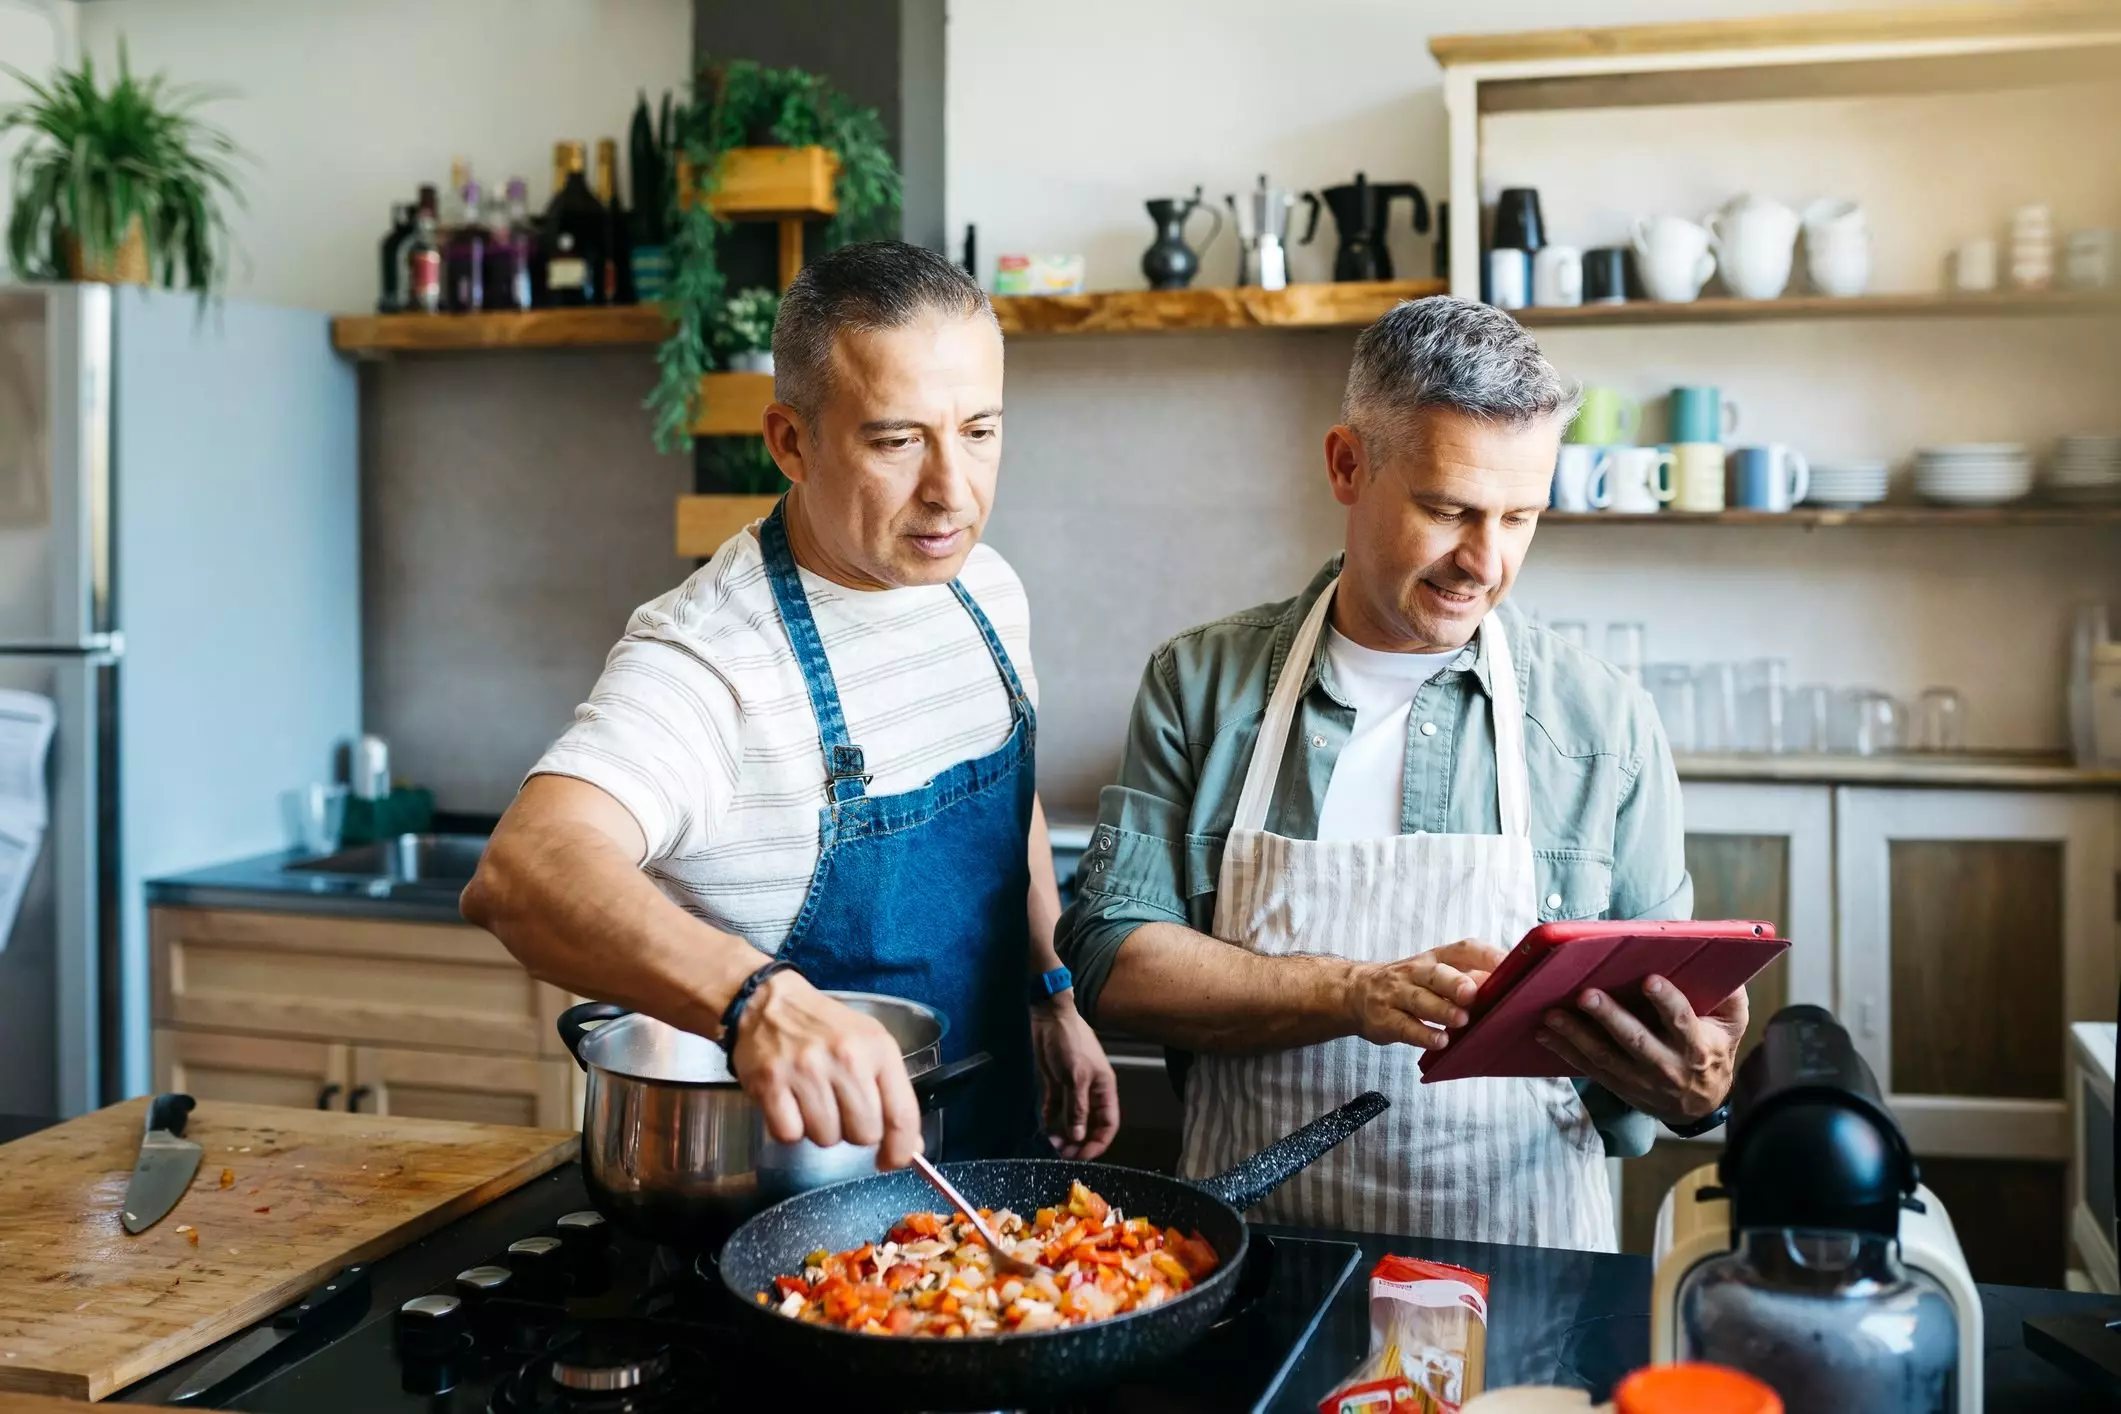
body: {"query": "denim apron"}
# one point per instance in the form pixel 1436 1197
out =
pixel 923 894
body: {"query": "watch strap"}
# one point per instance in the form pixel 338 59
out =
pixel 1051 983
pixel 1703 1125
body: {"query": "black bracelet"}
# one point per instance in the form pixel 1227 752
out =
pixel 735 1011
pixel 1694 1129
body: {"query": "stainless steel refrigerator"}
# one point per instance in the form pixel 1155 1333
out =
pixel 180 575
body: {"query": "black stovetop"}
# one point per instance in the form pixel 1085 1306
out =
pixel 606 1309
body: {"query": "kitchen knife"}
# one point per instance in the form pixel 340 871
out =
pixel 165 1166
pixel 337 1305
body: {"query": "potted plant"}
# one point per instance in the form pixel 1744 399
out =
pixel 122 185
pixel 744 334
pixel 744 104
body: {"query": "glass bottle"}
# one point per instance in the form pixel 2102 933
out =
pixel 423 259
pixel 509 241
pixel 572 238
pixel 618 229
pixel 392 296
pixel 464 258
pixel 454 212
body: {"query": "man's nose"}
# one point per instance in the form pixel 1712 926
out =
pixel 944 478
pixel 1479 556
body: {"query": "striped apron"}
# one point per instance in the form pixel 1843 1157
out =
pixel 1489 1159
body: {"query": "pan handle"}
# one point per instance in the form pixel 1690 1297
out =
pixel 577 1021
pixel 1256 1177
pixel 934 1087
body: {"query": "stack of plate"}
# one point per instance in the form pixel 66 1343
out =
pixel 1973 473
pixel 1847 485
pixel 2085 469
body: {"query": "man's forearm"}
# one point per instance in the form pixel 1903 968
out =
pixel 1185 989
pixel 1043 907
pixel 578 913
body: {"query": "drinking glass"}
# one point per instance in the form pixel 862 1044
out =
pixel 1575 632
pixel 1811 719
pixel 1763 705
pixel 1716 707
pixel 1623 648
pixel 1940 720
pixel 1872 722
pixel 320 817
pixel 1671 687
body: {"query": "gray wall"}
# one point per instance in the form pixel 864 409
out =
pixel 513 514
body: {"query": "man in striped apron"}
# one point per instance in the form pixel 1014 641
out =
pixel 1336 813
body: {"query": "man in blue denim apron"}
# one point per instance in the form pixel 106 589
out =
pixel 811 767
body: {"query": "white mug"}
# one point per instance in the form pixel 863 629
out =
pixel 1974 267
pixel 1580 480
pixel 1839 265
pixel 1638 480
pixel 1673 258
pixel 1826 218
pixel 1754 239
pixel 1509 278
pixel 2090 258
pixel 1557 276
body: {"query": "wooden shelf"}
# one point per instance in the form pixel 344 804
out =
pixel 1812 517
pixel 1821 307
pixel 532 329
pixel 1318 306
pixel 731 404
pixel 2007 770
pixel 704 522
pixel 1911 24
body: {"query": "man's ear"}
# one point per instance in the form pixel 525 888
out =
pixel 784 430
pixel 1347 463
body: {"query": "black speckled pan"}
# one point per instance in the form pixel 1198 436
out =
pixel 986 1371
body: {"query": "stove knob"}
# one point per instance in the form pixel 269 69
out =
pixel 585 1230
pixel 430 1327
pixel 537 1264
pixel 481 1284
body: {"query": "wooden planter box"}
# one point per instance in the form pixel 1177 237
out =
pixel 772 183
pixel 704 522
pixel 731 404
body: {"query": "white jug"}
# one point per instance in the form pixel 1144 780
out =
pixel 1837 246
pixel 1673 258
pixel 1755 239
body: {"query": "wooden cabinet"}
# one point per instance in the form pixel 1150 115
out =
pixel 1973 927
pixel 422 1019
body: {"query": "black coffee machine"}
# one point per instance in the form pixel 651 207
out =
pixel 1361 211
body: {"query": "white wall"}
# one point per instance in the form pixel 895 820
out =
pixel 1153 482
pixel 348 105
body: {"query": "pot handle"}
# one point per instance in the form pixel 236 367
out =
pixel 577 1022
pixel 934 1087
pixel 1252 1179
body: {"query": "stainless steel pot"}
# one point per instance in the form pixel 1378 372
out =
pixel 674 1151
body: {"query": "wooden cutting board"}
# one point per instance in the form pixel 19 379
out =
pixel 283 1198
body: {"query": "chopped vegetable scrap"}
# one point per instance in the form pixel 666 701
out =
pixel 933 1276
pixel 228 1178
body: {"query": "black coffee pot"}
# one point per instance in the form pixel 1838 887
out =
pixel 1171 264
pixel 1361 211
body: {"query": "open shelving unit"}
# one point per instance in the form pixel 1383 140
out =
pixel 1817 518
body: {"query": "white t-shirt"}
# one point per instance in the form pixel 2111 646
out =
pixel 1364 797
pixel 701 727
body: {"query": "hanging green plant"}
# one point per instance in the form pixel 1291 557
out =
pixel 123 184
pixel 745 104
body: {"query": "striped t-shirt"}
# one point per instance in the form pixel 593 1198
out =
pixel 701 727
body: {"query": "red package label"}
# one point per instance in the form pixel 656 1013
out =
pixel 1390 1396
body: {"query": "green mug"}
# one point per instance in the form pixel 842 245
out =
pixel 1605 419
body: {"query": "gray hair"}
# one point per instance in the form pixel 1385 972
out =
pixel 1454 354
pixel 865 287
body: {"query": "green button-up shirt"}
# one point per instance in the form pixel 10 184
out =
pixel 1607 837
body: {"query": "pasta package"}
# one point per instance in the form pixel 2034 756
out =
pixel 1428 1341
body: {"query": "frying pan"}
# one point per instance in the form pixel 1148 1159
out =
pixel 985 1371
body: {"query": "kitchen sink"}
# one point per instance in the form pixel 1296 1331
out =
pixel 436 859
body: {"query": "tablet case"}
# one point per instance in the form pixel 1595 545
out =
pixel 1706 960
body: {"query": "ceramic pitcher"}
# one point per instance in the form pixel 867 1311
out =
pixel 1754 239
pixel 1673 258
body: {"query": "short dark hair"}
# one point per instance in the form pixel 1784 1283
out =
pixel 1453 354
pixel 869 286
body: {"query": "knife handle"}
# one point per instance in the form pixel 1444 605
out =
pixel 346 1291
pixel 169 1112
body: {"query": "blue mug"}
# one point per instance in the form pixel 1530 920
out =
pixel 1701 415
pixel 1771 478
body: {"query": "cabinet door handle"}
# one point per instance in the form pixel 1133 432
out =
pixel 326 1095
pixel 355 1096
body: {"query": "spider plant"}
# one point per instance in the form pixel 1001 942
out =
pixel 103 172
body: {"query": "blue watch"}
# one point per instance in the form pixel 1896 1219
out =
pixel 1048 985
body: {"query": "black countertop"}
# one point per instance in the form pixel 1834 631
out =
pixel 265 882
pixel 1568 1318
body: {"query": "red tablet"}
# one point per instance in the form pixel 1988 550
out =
pixel 1555 962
